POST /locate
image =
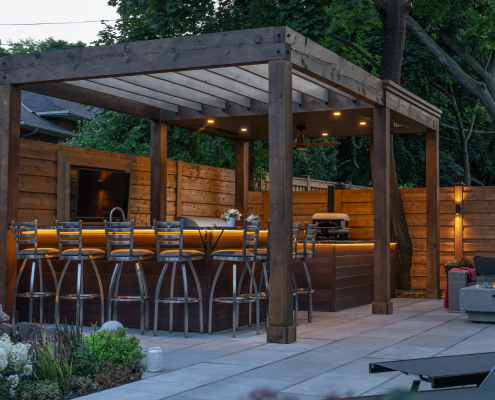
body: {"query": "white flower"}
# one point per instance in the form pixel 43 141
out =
pixel 13 380
pixel 253 217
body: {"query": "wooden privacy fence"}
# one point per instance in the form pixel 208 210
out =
pixel 47 189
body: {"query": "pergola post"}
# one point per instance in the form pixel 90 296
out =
pixel 158 184
pixel 241 178
pixel 10 134
pixel 433 290
pixel 282 328
pixel 381 193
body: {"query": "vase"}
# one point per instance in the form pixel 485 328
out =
pixel 230 222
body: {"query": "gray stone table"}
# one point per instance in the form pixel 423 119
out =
pixel 479 303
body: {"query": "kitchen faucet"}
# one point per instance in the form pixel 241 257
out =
pixel 117 209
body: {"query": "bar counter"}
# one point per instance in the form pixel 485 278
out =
pixel 341 273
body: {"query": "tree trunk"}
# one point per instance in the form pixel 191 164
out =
pixel 391 65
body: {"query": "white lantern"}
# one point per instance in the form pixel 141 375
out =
pixel 155 359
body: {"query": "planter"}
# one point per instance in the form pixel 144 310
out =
pixel 231 222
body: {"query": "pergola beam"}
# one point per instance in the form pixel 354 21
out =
pixel 228 84
pixel 97 87
pixel 298 83
pixel 249 79
pixel 95 99
pixel 250 46
pixel 179 95
pixel 320 63
pixel 204 88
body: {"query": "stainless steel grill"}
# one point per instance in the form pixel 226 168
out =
pixel 332 226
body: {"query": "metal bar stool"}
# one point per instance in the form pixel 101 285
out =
pixel 70 233
pixel 166 234
pixel 249 238
pixel 309 240
pixel 26 234
pixel 122 234
pixel 263 255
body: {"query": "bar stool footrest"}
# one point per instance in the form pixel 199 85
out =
pixel 84 296
pixel 128 298
pixel 178 300
pixel 36 294
pixel 303 291
pixel 239 299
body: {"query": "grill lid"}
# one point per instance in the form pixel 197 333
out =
pixel 330 217
pixel 195 222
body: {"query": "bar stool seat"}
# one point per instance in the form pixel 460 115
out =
pixel 40 252
pixel 187 255
pixel 136 254
pixel 227 254
pixel 84 252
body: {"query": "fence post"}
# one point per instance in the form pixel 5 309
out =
pixel 178 191
pixel 337 207
pixel 458 220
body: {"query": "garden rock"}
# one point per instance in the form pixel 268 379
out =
pixel 5 328
pixel 4 317
pixel 27 330
pixel 111 326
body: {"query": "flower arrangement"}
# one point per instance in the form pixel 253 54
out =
pixel 253 218
pixel 14 364
pixel 232 213
pixel 463 262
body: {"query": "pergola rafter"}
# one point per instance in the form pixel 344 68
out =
pixel 245 85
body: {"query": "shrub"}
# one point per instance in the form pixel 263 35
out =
pixel 36 390
pixel 463 262
pixel 15 364
pixel 83 385
pixel 114 347
pixel 111 375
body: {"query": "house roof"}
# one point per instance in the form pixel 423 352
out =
pixel 38 112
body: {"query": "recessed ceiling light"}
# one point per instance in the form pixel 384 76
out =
pixel 210 121
pixel 362 123
pixel 336 113
pixel 244 129
pixel 324 134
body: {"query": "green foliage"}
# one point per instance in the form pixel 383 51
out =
pixel 114 347
pixel 30 45
pixel 112 375
pixel 38 390
pixel 83 385
pixel 258 165
pixel 53 363
pixel 464 262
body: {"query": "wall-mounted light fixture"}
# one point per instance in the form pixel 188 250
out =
pixel 457 209
pixel 336 113
pixel 244 129
pixel 362 123
pixel 210 121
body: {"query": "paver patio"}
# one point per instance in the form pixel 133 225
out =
pixel 331 355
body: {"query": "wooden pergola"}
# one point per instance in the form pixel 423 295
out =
pixel 246 85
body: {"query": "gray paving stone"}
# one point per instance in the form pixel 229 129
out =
pixel 254 357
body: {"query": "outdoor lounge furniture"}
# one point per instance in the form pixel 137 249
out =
pixel 172 234
pixel 121 234
pixel 479 303
pixel 249 239
pixel 458 279
pixel 442 372
pixel 26 234
pixel 70 234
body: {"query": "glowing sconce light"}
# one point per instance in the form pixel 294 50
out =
pixel 457 209
pixel 324 134
pixel 244 129
pixel 336 113
pixel 362 123
pixel 210 121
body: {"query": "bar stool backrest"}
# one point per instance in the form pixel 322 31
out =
pixel 250 237
pixel 69 233
pixel 26 233
pixel 169 234
pixel 309 239
pixel 296 227
pixel 119 234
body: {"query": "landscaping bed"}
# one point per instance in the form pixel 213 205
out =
pixel 62 364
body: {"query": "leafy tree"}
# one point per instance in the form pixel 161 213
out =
pixel 30 45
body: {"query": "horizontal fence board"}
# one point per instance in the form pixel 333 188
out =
pixel 41 201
